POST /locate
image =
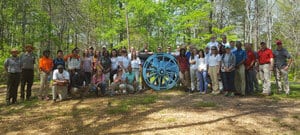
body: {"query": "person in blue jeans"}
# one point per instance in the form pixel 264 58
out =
pixel 202 73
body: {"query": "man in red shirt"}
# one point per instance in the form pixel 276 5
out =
pixel 249 64
pixel 265 60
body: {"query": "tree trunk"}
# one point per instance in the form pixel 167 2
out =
pixel 210 25
pixel 127 27
pixel 24 22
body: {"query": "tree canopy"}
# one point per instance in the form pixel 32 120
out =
pixel 64 24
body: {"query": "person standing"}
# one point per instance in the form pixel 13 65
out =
pixel 114 64
pixel 45 66
pixel 213 61
pixel 86 67
pixel 27 75
pixel 201 73
pixel 283 61
pixel 136 66
pixel 240 79
pixel 193 69
pixel 228 71
pixel 106 64
pixel 12 66
pixel 265 60
pixel 183 63
pixel 59 60
pixel 250 71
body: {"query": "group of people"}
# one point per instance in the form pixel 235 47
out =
pixel 225 66
pixel 232 70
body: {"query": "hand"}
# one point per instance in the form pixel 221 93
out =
pixel 271 68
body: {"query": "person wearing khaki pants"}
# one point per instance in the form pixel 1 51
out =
pixel 240 78
pixel 45 66
pixel 283 60
pixel 265 60
pixel 213 61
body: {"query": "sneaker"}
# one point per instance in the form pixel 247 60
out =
pixel 231 94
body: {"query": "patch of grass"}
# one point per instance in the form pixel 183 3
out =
pixel 294 92
pixel 295 117
pixel 13 111
pixel 276 120
pixel 30 104
pixel 144 100
pixel 120 109
pixel 205 104
pixel 170 120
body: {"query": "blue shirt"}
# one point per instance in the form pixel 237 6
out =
pixel 240 55
pixel 233 49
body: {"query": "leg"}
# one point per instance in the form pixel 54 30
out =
pixel 237 81
pixel 242 79
pixel 224 80
pixel 9 90
pixel 29 84
pixel 200 81
pixel 42 84
pixel 231 76
pixel 267 76
pixel 278 79
pixel 16 81
pixel 187 79
pixel 192 75
pixel 54 92
pixel 286 84
pixel 204 75
pixel 23 83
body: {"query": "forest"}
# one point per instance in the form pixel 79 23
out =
pixel 65 24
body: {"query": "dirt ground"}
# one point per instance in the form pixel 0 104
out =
pixel 169 112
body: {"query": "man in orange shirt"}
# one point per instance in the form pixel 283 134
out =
pixel 45 66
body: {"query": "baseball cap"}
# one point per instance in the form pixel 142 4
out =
pixel 278 42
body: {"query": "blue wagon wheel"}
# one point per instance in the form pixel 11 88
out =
pixel 161 71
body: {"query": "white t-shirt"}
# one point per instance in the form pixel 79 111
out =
pixel 61 76
pixel 213 60
pixel 201 64
pixel 211 44
pixel 193 66
pixel 114 63
pixel 73 63
pixel 136 63
pixel 124 60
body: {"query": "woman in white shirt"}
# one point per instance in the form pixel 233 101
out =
pixel 213 64
pixel 136 65
pixel 202 73
pixel 193 69
pixel 114 64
